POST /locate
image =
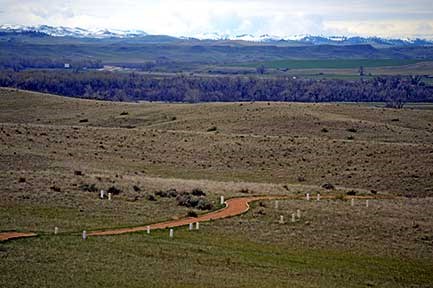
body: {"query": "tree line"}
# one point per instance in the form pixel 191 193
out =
pixel 394 90
pixel 20 63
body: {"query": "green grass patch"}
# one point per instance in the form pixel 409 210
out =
pixel 194 259
pixel 331 64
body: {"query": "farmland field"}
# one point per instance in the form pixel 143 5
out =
pixel 334 63
pixel 57 153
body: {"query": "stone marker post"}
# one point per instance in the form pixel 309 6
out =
pixel 281 219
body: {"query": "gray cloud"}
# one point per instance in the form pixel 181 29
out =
pixel 186 17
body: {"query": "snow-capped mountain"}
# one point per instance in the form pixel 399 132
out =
pixel 266 38
pixel 73 32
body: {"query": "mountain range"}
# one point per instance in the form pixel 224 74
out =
pixel 77 32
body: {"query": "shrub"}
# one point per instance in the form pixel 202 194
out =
pixel 136 188
pixel 78 173
pixel 191 201
pixel 113 190
pixel 328 186
pixel 212 129
pixel 301 179
pixel 244 191
pixel 84 120
pixel 353 130
pixel 151 197
pixel 204 204
pixel 165 194
pixel 198 192
pixel 55 188
pixel 324 130
pixel 192 214
pixel 351 193
pixel 124 113
pixel 88 188
pixel 22 180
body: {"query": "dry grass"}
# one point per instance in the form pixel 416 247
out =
pixel 256 148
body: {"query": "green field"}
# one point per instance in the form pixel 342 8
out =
pixel 332 64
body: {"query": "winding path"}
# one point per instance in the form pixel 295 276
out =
pixel 234 206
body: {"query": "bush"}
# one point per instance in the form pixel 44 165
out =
pixel 124 113
pixel 324 130
pixel 353 130
pixel 88 188
pixel 22 180
pixel 328 186
pixel 136 188
pixel 351 193
pixel 78 173
pixel 198 192
pixel 191 201
pixel 244 191
pixel 113 190
pixel 301 179
pixel 55 188
pixel 84 120
pixel 204 204
pixel 165 194
pixel 212 129
pixel 192 214
pixel 151 197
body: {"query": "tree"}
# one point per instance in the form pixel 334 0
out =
pixel 361 71
pixel 261 69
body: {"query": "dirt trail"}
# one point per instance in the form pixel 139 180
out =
pixel 234 206
pixel 12 235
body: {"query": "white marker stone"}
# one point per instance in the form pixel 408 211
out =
pixel 84 235
pixel 197 225
pixel 276 204
pixel 109 196
pixel 318 196
pixel 101 194
pixel 281 219
pixel 298 213
pixel 308 196
pixel 352 202
pixel 366 203
pixel 171 233
pixel 293 217
pixel 191 226
pixel 222 200
pixel 148 229
pixel 56 230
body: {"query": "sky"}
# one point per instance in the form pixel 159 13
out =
pixel 383 18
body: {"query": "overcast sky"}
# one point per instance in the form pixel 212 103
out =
pixel 398 18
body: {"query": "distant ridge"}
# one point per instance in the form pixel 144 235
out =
pixel 78 32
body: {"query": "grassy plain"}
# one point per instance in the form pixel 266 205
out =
pixel 231 149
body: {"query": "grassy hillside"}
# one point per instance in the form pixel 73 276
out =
pixel 51 147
